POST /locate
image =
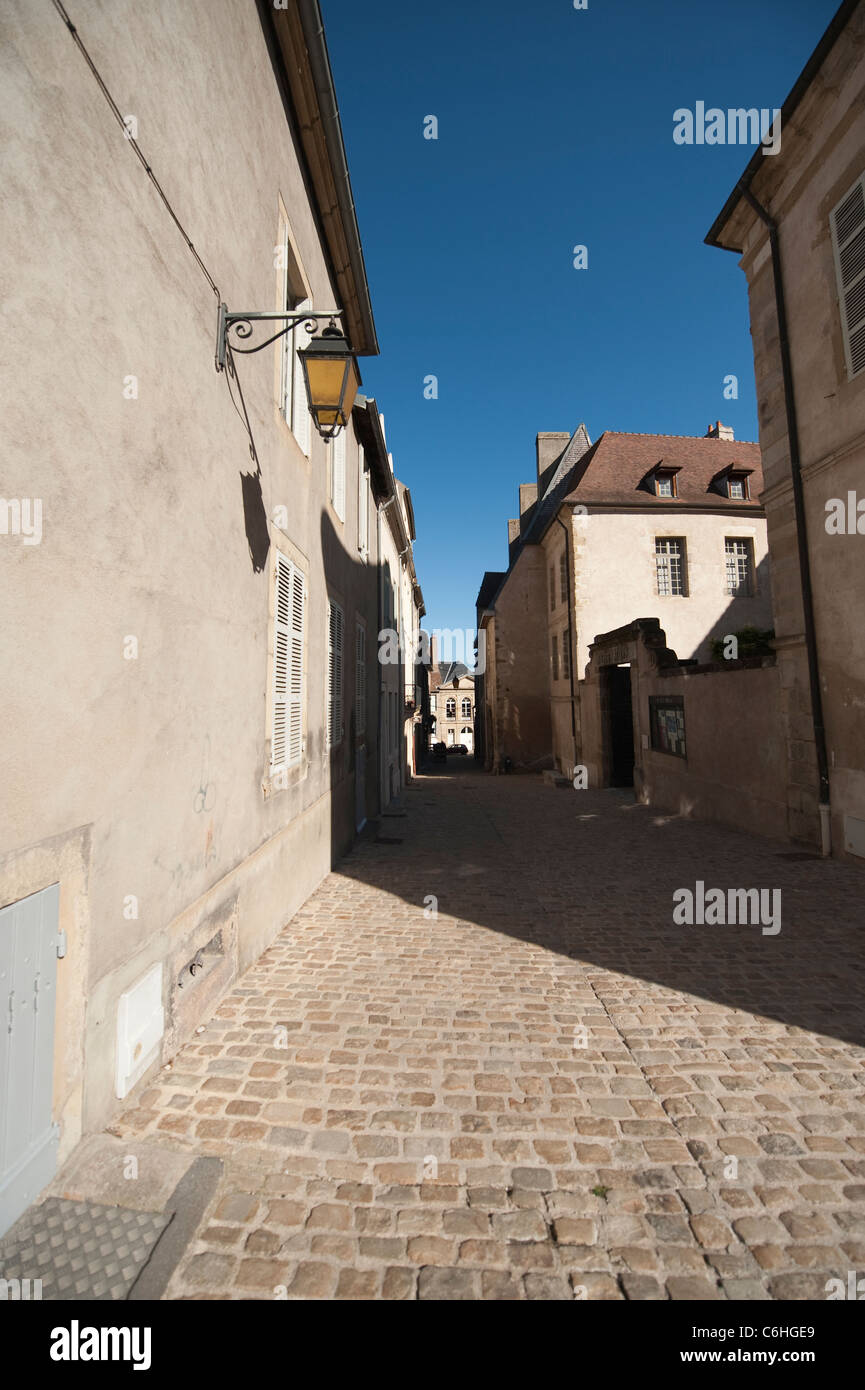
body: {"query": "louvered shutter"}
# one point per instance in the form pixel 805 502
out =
pixel 848 237
pixel 334 675
pixel 360 680
pixel 281 661
pixel 290 602
pixel 295 674
pixel 300 417
pixel 339 475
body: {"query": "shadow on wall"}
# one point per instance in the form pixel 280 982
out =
pixel 353 760
pixel 754 610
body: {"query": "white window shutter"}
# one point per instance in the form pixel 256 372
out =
pixel 286 747
pixel 300 417
pixel 295 680
pixel 848 238
pixel 281 661
pixel 339 475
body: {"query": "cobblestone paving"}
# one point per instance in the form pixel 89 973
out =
pixel 547 1090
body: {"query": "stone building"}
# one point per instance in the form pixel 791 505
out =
pixel 797 221
pixel 633 524
pixel 452 703
pixel 190 686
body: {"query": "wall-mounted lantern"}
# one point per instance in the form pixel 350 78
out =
pixel 331 376
pixel 329 369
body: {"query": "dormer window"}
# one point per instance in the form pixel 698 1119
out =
pixel 732 482
pixel 661 480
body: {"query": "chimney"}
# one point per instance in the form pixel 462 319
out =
pixel 528 499
pixel 513 538
pixel 719 431
pixel 549 449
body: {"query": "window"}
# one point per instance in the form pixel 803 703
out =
pixel 451 709
pixel 466 709
pixel 360 680
pixel 337 474
pixel 293 296
pixel 552 587
pixel 563 576
pixel 739 556
pixel 736 489
pixel 566 656
pixel 667 724
pixel 335 644
pixel 555 658
pixel 670 566
pixel 664 485
pixel 848 240
pixel 362 506
pixel 286 744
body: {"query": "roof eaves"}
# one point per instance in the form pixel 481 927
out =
pixel 838 22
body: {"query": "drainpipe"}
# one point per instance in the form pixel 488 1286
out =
pixel 570 643
pixel 801 525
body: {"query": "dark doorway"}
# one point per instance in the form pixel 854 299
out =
pixel 621 726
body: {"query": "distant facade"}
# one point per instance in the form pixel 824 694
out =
pixel 398 649
pixel 629 526
pixel 452 702
pixel 797 220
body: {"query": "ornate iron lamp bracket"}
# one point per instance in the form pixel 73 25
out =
pixel 241 326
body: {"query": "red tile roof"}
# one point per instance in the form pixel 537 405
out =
pixel 612 470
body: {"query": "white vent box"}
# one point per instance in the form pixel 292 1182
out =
pixel 140 1026
pixel 854 836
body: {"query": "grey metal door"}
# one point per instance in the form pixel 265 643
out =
pixel 28 980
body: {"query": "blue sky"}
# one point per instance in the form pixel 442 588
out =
pixel 555 129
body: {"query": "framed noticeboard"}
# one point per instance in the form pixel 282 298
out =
pixel 667 722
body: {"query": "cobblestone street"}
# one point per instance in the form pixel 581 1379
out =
pixel 545 1089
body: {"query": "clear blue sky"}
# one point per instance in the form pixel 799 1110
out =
pixel 555 129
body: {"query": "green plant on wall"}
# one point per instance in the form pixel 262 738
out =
pixel 748 641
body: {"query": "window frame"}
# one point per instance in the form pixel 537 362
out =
pixel 751 582
pixel 682 555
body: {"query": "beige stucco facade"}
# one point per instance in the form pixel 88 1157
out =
pixel 614 579
pixel 137 677
pixel 821 159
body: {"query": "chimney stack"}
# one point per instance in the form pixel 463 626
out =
pixel 719 431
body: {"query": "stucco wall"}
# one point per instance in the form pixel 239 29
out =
pixel 734 770
pixel 615 576
pixel 162 759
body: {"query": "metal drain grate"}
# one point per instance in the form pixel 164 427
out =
pixel 80 1250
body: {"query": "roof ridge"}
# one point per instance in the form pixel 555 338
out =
pixel 650 434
